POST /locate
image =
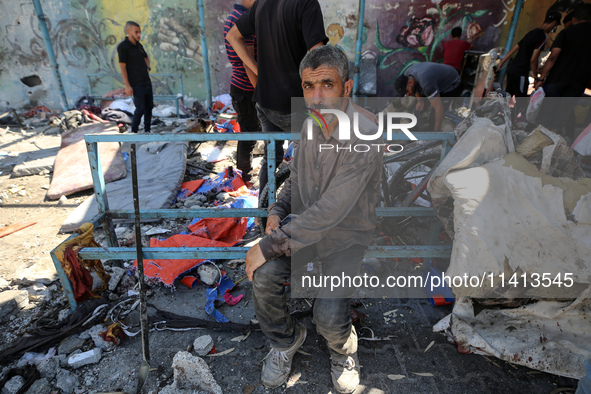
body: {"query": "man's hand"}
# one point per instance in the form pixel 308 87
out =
pixel 128 91
pixel 273 222
pixel 254 259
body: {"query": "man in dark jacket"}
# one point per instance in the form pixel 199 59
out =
pixel 334 194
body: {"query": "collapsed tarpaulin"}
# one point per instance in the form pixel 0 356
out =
pixel 166 270
pixel 228 230
pixel 188 188
pixel 225 180
pixel 221 292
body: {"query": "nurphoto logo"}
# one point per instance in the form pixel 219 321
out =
pixel 393 120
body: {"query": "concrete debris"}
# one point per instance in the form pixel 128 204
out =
pixel 157 231
pixel 66 381
pixel 98 341
pixel 11 302
pixel 90 357
pixel 13 385
pixel 203 345
pixel 116 274
pixel 70 344
pixel 62 200
pixel 48 368
pixel 191 374
pixel 40 386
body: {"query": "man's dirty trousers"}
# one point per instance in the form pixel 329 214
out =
pixel 331 315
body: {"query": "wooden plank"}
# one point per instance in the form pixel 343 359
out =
pixel 13 228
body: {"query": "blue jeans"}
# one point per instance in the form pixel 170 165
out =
pixel 331 315
pixel 143 99
pixel 272 121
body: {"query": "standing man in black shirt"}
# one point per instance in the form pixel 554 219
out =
pixel 135 67
pixel 567 71
pixel 285 31
pixel 528 51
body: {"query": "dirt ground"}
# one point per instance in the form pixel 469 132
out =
pixel 408 357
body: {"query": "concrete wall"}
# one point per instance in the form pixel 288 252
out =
pixel 85 34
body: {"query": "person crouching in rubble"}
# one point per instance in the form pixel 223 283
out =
pixel 334 194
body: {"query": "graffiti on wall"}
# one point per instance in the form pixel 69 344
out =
pixel 421 37
pixel 82 41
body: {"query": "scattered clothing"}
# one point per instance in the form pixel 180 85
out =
pixel 116 115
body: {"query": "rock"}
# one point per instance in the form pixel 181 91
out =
pixel 222 196
pixel 62 360
pixel 90 357
pixel 208 274
pixel 191 374
pixel 62 200
pixel 66 381
pixel 70 344
pixel 97 283
pixel 40 386
pixel 98 341
pixel 203 345
pixel 4 283
pixel 63 314
pixel 195 206
pixel 116 275
pixel 13 385
pixel 11 302
pixel 47 368
pixel 203 197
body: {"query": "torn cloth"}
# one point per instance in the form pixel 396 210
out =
pixel 76 268
pixel 228 230
pixel 221 292
pixel 166 270
pixel 188 188
pixel 548 336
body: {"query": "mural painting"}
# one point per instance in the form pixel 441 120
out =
pixel 421 37
pixel 85 34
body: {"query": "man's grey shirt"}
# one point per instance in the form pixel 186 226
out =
pixel 434 78
pixel 333 192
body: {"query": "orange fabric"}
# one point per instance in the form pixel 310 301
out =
pixel 241 191
pixel 229 230
pixel 192 186
pixel 167 271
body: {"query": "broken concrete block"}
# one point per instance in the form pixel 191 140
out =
pixel 99 342
pixel 70 344
pixel 40 386
pixel 203 345
pixel 48 368
pixel 191 374
pixel 90 357
pixel 11 302
pixel 116 275
pixel 13 385
pixel 66 381
pixel 534 143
